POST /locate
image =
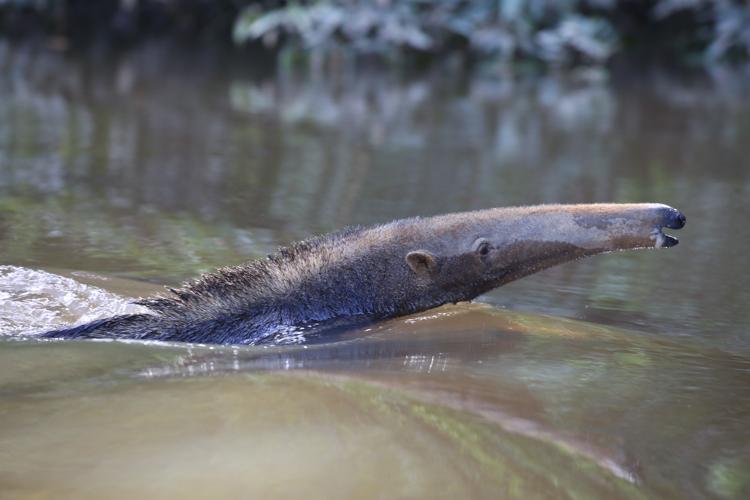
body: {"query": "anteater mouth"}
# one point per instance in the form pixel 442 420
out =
pixel 674 219
pixel 661 239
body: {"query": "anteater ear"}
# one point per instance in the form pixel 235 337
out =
pixel 421 261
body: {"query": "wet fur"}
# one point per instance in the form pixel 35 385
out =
pixel 295 290
pixel 364 274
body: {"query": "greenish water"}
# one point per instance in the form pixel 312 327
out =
pixel 625 375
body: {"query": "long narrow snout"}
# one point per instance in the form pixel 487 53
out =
pixel 628 226
pixel 592 228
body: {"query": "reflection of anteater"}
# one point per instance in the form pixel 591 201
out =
pixel 364 274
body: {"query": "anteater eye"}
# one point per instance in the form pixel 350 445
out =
pixel 482 246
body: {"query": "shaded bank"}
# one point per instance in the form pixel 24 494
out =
pixel 581 32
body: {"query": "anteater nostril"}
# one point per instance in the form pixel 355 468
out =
pixel 674 219
pixel 681 219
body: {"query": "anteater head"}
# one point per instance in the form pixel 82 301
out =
pixel 474 252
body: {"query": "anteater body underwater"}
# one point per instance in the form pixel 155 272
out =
pixel 365 274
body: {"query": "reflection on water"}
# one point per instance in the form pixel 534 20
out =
pixel 467 401
pixel 157 168
pixel 275 436
pixel 470 400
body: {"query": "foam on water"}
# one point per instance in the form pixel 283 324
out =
pixel 35 301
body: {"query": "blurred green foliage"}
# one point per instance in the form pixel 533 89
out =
pixel 729 478
pixel 557 33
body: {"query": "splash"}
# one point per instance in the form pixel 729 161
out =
pixel 35 301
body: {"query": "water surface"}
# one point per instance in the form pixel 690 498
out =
pixel 625 375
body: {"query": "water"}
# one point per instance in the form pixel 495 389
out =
pixel 623 375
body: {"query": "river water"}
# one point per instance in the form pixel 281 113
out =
pixel 622 376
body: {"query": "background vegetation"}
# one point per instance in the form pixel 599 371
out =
pixel 550 32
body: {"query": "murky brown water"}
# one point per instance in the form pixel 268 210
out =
pixel 624 375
